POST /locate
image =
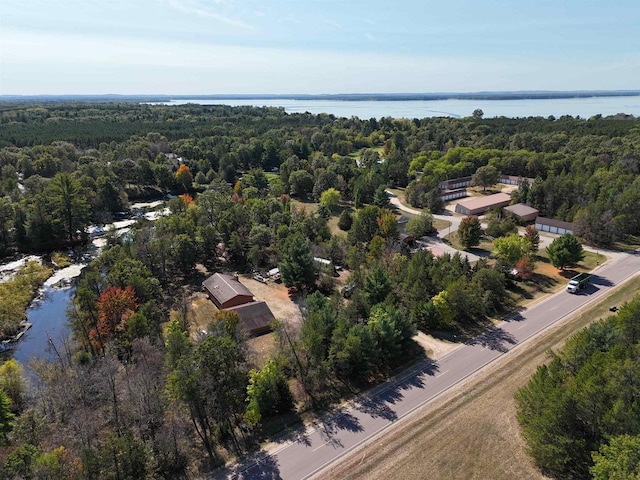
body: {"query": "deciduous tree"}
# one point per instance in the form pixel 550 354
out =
pixel 420 225
pixel 469 232
pixel 508 250
pixel 486 176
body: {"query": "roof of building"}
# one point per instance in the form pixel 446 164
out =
pixel 255 315
pixel 435 251
pixel 521 209
pixel 552 222
pixel 225 287
pixel 485 202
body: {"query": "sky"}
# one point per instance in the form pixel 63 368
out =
pixel 193 47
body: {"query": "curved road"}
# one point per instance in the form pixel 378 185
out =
pixel 308 451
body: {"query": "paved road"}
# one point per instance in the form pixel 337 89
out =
pixel 308 451
pixel 436 241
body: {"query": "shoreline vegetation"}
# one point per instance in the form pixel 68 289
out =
pixel 400 97
pixel 15 297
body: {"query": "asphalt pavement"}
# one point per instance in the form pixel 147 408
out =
pixel 307 451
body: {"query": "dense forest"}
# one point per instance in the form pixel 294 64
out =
pixel 580 412
pixel 136 393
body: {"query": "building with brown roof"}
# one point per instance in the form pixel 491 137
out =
pixel 479 205
pixel 522 212
pixel 552 225
pixel 256 317
pixel 226 290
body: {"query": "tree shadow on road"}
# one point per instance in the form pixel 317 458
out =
pixel 259 466
pixel 494 339
pixel 377 404
pixel 601 281
pixel 330 425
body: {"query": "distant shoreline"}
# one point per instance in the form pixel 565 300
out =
pixel 365 97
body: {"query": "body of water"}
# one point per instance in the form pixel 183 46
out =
pixel 48 315
pixel 365 109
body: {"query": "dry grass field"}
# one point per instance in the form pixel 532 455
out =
pixel 470 432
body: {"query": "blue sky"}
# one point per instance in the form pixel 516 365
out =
pixel 316 46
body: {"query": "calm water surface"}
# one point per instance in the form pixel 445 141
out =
pixel 49 319
pixel 583 107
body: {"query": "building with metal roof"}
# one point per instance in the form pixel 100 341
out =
pixel 522 212
pixel 226 290
pixel 479 205
pixel 255 316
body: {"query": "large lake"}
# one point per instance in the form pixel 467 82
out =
pixel 583 107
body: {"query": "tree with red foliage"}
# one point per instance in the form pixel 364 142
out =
pixel 115 305
pixel 524 268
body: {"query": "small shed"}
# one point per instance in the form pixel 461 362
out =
pixel 255 316
pixel 479 205
pixel 522 212
pixel 552 225
pixel 226 290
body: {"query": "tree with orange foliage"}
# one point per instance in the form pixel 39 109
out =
pixel 116 305
pixel 187 199
pixel 184 177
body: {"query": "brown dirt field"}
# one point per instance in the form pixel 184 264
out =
pixel 470 432
pixel 261 348
pixel 201 311
pixel 276 295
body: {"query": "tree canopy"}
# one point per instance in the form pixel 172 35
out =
pixel 565 251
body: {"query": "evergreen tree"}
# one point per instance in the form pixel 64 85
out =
pixel 565 251
pixel 296 268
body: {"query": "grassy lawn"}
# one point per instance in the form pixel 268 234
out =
pixel 271 177
pixel 632 242
pixel 358 154
pixel 308 205
pixel 484 249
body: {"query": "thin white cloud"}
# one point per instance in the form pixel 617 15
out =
pixel 194 7
pixel 369 36
pixel 332 23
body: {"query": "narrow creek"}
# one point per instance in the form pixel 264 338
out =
pixel 48 312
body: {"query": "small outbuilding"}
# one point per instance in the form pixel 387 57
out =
pixel 552 225
pixel 479 205
pixel 226 290
pixel 255 316
pixel 522 212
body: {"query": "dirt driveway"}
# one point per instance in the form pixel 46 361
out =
pixel 276 295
